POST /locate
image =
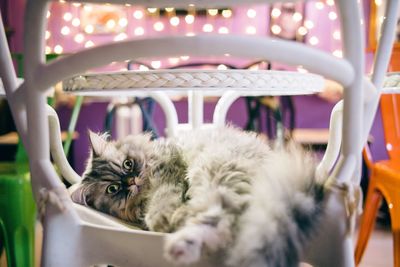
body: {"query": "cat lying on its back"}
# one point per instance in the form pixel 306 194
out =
pixel 221 190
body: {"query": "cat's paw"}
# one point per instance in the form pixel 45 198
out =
pixel 158 222
pixel 183 247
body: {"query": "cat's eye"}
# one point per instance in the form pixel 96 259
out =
pixel 127 164
pixel 113 188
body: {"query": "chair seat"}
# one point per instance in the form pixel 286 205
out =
pixel 390 169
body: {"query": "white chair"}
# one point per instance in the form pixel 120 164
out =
pixel 77 236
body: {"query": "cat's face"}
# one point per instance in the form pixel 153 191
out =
pixel 116 176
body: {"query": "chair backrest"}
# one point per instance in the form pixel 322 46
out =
pixel 390 110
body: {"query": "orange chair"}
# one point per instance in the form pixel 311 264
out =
pixel 384 180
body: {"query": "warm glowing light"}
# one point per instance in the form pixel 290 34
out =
pixel 169 9
pixel 227 13
pixel 139 31
pixel 67 16
pixel 254 67
pixel 276 29
pixel 79 38
pixel 89 44
pixel 222 67
pixel 251 13
pixel 314 40
pixel 297 17
pixel 319 5
pixel 156 64
pixel 212 12
pixel 47 50
pixel 61 1
pixel 76 4
pixel 208 27
pixel 330 2
pixel 276 12
pixel 378 2
pixel 223 30
pixel 174 21
pixel 309 24
pixel 190 34
pixel 65 30
pixel 48 14
pixel 251 30
pixel 47 35
pixel 143 68
pixel 302 30
pixel 123 22
pixel 152 10
pixel 120 37
pixel 332 15
pixel 173 60
pixel 338 53
pixel 76 22
pixel 184 58
pixel 336 35
pixel 389 146
pixel 158 26
pixel 58 49
pixel 301 69
pixel 89 29
pixel 138 14
pixel 110 24
pixel 189 19
pixel 390 205
pixel 88 8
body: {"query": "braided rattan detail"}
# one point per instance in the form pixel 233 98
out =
pixel 181 79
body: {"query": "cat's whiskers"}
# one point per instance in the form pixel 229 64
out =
pixel 133 190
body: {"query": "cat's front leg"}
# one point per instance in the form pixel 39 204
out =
pixel 208 230
pixel 161 207
pixel 184 246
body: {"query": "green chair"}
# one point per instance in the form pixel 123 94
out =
pixel 17 214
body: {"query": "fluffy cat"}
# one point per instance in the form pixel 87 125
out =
pixel 221 191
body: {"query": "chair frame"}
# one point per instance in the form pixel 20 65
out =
pixel 384 182
pixel 89 235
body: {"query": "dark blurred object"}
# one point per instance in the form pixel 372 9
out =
pixel 280 115
pixel 6 121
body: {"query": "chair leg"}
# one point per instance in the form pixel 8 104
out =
pixel 367 222
pixel 395 222
pixel 19 248
pixel 17 218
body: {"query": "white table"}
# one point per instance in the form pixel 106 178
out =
pixel 162 84
pixel 392 83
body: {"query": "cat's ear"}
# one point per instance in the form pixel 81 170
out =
pixel 78 194
pixel 97 142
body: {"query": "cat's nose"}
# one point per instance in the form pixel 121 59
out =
pixel 131 181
